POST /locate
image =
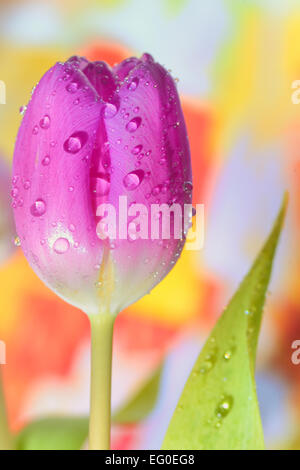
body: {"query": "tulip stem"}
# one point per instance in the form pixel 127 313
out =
pixel 5 435
pixel 100 395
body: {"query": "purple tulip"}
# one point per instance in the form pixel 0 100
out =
pixel 91 134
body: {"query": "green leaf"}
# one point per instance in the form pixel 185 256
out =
pixel 142 403
pixel 54 433
pixel 70 433
pixel 218 408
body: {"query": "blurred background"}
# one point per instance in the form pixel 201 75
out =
pixel 235 61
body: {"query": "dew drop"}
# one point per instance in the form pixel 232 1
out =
pixel 27 184
pixel 38 208
pixel 14 192
pixel 224 406
pixel 109 111
pixel 76 142
pixel 146 57
pixel 227 355
pixel 156 190
pixel 134 124
pixel 46 160
pixel 45 122
pixel 72 87
pixel 206 367
pixel 133 179
pixel 132 86
pixel 61 246
pixel 188 186
pixel 17 241
pixel 137 149
pixel 35 130
pixel 22 110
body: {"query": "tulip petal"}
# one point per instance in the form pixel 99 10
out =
pixel 55 220
pixel 150 157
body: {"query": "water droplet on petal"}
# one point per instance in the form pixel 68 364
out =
pixel 46 160
pixel 109 111
pixel 132 86
pixel 188 186
pixel 22 110
pixel 17 241
pixel 45 122
pixel 146 57
pixel 38 208
pixel 27 185
pixel 137 149
pixel 76 142
pixel 35 130
pixel 61 246
pixel 72 87
pixel 133 179
pixel 134 124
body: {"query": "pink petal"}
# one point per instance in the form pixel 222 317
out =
pixel 150 158
pixel 56 221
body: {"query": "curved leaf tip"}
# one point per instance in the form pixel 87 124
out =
pixel 218 408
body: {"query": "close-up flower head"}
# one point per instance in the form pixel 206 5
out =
pixel 92 139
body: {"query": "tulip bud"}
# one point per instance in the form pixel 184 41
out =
pixel 96 150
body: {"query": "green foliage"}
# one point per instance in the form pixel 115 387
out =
pixel 218 408
pixel 70 433
pixel 142 402
pixel 53 433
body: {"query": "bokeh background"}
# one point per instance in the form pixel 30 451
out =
pixel 235 61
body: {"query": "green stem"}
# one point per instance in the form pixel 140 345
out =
pixel 5 435
pixel 100 394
